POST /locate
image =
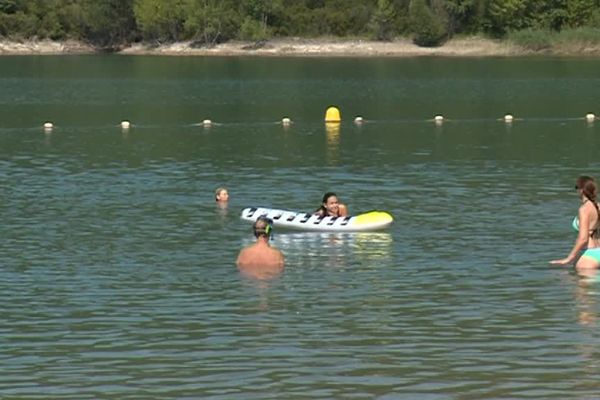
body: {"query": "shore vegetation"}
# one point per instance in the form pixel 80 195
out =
pixel 550 26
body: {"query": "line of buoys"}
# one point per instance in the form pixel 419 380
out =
pixel 332 116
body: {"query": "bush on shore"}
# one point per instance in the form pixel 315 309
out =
pixel 543 40
pixel 429 28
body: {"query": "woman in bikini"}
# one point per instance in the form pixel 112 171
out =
pixel 587 223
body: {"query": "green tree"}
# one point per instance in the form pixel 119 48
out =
pixel 429 29
pixel 297 20
pixel 70 16
pixel 36 19
pixel 15 20
pixel 513 15
pixel 9 6
pixel 211 21
pixel 382 21
pixel 160 19
pixel 464 15
pixel 507 15
pixel 257 16
pixel 580 12
pixel 108 23
pixel 548 14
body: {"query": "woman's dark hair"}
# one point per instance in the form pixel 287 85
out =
pixel 589 189
pixel 327 195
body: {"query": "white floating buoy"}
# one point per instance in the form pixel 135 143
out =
pixel 125 124
pixel 508 118
pixel 207 123
pixel 439 119
pixel 48 125
pixel 359 120
pixel 286 121
pixel 590 117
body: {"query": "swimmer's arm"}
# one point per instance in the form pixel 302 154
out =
pixel 581 241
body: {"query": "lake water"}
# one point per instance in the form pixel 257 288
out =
pixel 117 270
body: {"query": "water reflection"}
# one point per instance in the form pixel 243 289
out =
pixel 362 245
pixel 222 208
pixel 586 294
pixel 332 130
pixel 48 138
pixel 586 300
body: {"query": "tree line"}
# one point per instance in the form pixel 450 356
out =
pixel 114 23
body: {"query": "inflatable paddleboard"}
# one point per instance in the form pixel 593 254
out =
pixel 369 221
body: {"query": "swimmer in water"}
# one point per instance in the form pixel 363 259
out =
pixel 331 206
pixel 260 260
pixel 587 223
pixel 221 195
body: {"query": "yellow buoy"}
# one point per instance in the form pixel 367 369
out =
pixel 332 115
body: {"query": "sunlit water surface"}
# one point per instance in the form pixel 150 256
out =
pixel 117 270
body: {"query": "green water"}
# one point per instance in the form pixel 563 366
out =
pixel 117 269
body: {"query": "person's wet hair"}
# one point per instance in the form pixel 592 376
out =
pixel 263 227
pixel 218 192
pixel 588 187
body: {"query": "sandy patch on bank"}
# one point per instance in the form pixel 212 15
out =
pixel 471 47
pixel 44 47
pixel 298 47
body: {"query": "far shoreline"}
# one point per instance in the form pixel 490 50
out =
pixel 302 47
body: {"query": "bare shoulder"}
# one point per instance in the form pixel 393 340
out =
pixel 243 256
pixel 343 210
pixel 588 207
